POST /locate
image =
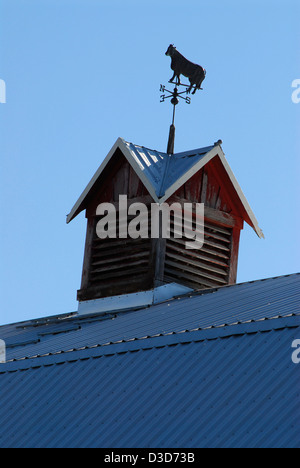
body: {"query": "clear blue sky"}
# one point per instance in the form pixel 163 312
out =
pixel 81 73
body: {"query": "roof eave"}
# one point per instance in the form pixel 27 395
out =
pixel 252 219
pixel 79 205
pixel 216 151
pixel 120 143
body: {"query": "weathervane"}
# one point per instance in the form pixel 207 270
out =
pixel 195 73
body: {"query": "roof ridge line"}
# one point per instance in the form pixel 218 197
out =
pixel 160 194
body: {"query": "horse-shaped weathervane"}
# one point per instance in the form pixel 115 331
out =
pixel 181 66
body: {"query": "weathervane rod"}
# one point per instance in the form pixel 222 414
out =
pixel 173 120
pixel 171 140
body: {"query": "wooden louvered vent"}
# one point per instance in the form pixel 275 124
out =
pixel 118 266
pixel 117 263
pixel 204 268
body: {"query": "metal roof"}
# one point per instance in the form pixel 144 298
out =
pixel 163 170
pixel 257 300
pixel 162 174
pixel 203 370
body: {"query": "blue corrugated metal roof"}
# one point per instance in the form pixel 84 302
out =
pixel 226 305
pixel 210 370
pixel 237 391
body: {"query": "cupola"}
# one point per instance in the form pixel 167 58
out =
pixel 131 176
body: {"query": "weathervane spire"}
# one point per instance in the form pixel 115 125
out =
pixel 195 73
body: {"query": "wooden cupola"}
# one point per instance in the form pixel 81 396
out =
pixel 117 266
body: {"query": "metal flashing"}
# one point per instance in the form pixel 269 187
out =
pixel 132 300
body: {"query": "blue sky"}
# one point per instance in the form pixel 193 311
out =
pixel 81 73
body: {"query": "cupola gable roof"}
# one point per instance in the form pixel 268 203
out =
pixel 162 174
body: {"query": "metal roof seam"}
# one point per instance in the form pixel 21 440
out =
pixel 164 334
pixel 62 352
